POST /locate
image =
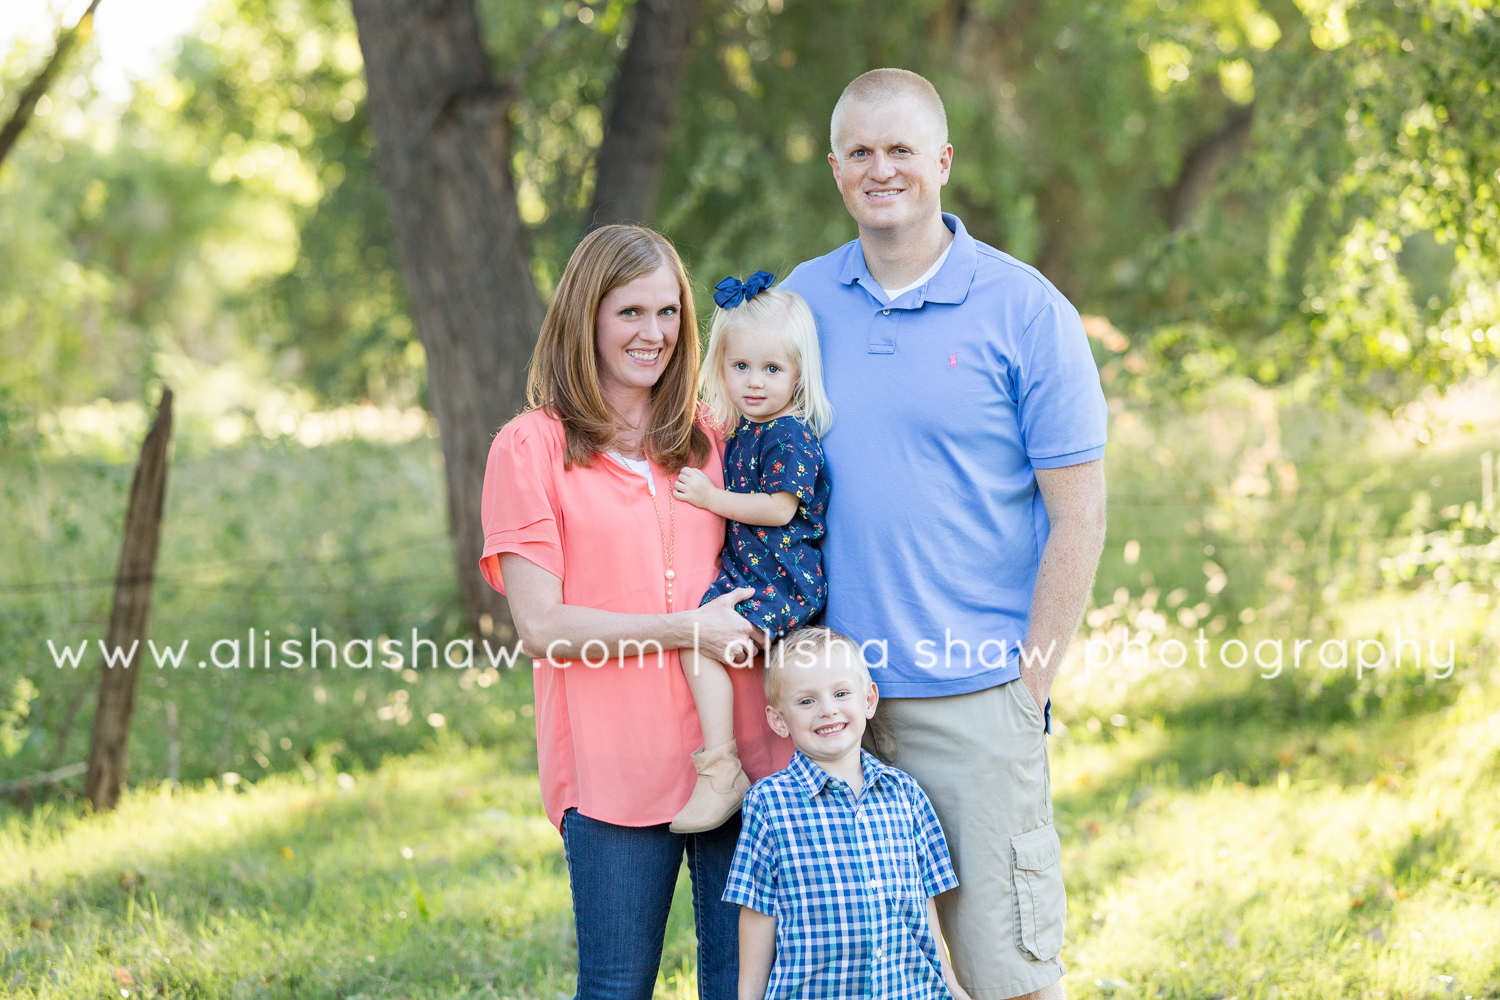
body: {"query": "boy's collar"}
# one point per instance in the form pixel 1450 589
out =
pixel 813 778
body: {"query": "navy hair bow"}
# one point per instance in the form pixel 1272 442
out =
pixel 732 291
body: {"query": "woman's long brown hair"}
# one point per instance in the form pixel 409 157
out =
pixel 564 376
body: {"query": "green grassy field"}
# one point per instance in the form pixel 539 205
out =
pixel 1226 835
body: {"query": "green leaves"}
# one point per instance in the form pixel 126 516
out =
pixel 1268 189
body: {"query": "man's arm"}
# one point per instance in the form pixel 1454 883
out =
pixel 1075 498
pixel 757 952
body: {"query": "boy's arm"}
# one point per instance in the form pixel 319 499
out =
pixel 942 950
pixel 768 510
pixel 757 952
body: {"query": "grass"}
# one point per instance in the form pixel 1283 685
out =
pixel 1317 834
pixel 1309 885
pixel 346 539
pixel 1366 862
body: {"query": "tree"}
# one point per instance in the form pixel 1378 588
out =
pixel 643 106
pixel 37 88
pixel 443 147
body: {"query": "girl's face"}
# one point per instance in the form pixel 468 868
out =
pixel 759 374
pixel 636 330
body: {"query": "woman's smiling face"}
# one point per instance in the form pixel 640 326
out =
pixel 635 332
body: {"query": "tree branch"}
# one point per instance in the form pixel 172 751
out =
pixel 516 78
pixel 34 91
pixel 643 105
pixel 1202 164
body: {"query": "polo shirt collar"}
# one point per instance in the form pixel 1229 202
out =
pixel 949 285
pixel 813 778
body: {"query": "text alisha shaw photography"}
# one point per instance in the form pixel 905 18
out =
pixel 1268 656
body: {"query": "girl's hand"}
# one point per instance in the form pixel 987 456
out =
pixel 694 487
pixel 724 635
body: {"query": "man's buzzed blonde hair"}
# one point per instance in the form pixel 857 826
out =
pixel 801 650
pixel 881 86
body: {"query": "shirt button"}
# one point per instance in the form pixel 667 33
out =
pixel 885 312
pixel 879 951
pixel 874 883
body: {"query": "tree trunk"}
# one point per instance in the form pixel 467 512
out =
pixel 1202 163
pixel 131 615
pixel 443 152
pixel 21 117
pixel 643 106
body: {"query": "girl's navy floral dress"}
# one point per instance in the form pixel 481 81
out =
pixel 783 563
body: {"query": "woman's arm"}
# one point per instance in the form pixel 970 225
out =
pixel 547 626
pixel 942 949
pixel 770 510
pixel 757 952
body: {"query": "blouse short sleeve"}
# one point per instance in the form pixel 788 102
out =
pixel 790 459
pixel 519 503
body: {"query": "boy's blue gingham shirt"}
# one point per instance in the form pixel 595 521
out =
pixel 847 880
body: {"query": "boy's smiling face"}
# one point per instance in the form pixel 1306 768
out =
pixel 824 704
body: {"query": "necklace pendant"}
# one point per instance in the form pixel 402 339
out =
pixel 671 575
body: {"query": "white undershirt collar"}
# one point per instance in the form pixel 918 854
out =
pixel 639 466
pixel 892 294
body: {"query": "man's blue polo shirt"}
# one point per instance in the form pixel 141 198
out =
pixel 945 403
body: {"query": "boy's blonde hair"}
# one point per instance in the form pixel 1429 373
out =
pixel 774 312
pixel 799 651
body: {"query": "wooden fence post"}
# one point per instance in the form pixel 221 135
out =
pixel 131 615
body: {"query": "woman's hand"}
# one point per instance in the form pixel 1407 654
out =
pixel 694 487
pixel 724 635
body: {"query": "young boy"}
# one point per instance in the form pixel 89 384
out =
pixel 839 855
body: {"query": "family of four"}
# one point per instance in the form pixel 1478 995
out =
pixel 890 462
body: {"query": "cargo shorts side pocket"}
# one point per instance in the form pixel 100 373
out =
pixel 1041 902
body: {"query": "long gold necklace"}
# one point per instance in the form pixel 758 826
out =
pixel 668 551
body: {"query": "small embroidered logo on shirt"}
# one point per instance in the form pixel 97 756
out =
pixel 953 361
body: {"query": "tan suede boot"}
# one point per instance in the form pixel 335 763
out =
pixel 722 784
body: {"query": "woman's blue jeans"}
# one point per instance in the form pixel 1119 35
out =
pixel 622 879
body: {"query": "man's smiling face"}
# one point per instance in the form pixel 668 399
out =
pixel 890 164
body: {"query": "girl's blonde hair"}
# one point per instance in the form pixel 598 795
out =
pixel 564 376
pixel 774 312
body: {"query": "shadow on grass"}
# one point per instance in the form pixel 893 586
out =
pixel 1337 730
pixel 411 884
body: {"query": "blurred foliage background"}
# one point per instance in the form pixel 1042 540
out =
pixel 1271 190
pixel 1281 220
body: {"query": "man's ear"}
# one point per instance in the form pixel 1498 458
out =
pixel 945 162
pixel 776 722
pixel 833 161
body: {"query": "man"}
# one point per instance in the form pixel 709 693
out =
pixel 966 519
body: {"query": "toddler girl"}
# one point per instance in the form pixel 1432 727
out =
pixel 762 376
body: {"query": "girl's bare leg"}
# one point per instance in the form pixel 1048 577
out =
pixel 713 695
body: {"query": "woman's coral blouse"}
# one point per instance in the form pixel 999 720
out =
pixel 613 739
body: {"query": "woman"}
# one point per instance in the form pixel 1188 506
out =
pixel 604 570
